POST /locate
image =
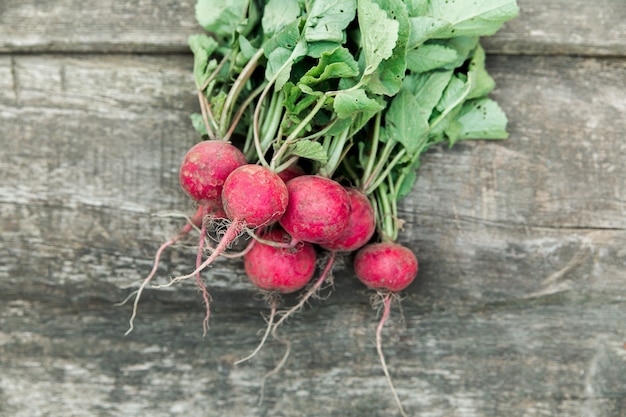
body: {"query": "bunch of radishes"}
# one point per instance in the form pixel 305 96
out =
pixel 313 117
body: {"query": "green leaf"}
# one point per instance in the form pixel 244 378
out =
pixel 431 56
pixel 403 124
pixel 276 62
pixel 351 102
pixel 221 17
pixel 472 17
pixel 379 34
pixel 280 62
pixel 202 47
pixel 327 20
pixel 416 7
pixel 198 123
pixel 316 49
pixel 464 45
pixel 336 64
pixel 286 38
pixel 278 14
pixel 481 82
pixel 282 50
pixel 407 185
pixel 454 94
pixel 482 119
pixel 429 87
pixel 310 150
pixel 387 79
pixel 246 48
pixel 424 28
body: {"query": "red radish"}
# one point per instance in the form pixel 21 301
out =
pixel 253 196
pixel 388 268
pixel 318 210
pixel 205 168
pixel 361 228
pixel 283 270
pixel 361 225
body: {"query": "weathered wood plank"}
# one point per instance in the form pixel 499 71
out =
pixel 517 310
pixel 546 27
pixel 96 26
pixel 564 27
pixel 538 359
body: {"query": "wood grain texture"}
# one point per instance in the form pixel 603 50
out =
pixel 519 305
pixel 517 310
pixel 562 27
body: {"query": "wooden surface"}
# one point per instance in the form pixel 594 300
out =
pixel 519 308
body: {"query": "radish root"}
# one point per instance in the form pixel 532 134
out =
pixel 379 348
pixel 312 291
pixel 205 294
pixel 270 321
pixel 230 235
pixel 146 281
pixel 279 365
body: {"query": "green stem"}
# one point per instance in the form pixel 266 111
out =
pixel 381 160
pixel 237 86
pixel 335 153
pixel 293 136
pixel 270 116
pixel 386 221
pixel 287 164
pixel 350 170
pixel 367 172
pixel 241 110
pixel 386 172
pixel 257 111
pixel 205 116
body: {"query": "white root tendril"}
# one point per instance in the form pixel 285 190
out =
pixel 312 291
pixel 386 303
pixel 270 321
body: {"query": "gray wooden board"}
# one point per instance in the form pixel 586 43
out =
pixel 518 309
pixel 554 27
pixel 519 305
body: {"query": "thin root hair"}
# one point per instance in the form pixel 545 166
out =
pixel 386 301
pixel 270 321
pixel 278 366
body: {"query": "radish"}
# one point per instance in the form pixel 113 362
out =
pixel 388 268
pixel 202 175
pixel 361 224
pixel 360 229
pixel 283 270
pixel 318 210
pixel 385 266
pixel 205 168
pixel 252 196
